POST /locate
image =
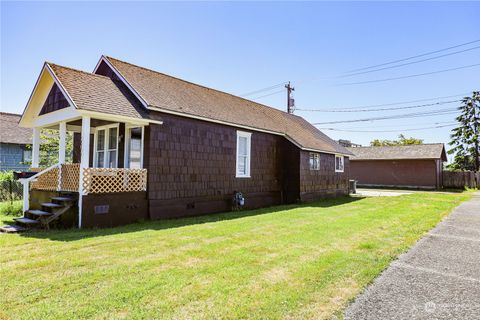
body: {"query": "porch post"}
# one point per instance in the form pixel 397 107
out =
pixel 62 142
pixel 36 147
pixel 84 162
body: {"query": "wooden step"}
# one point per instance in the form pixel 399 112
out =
pixel 52 205
pixel 39 213
pixel 26 220
pixel 65 199
pixel 12 228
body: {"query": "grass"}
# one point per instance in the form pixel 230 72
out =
pixel 290 262
pixel 12 208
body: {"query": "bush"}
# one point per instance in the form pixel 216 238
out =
pixel 13 208
pixel 6 176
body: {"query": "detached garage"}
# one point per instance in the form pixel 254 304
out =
pixel 414 166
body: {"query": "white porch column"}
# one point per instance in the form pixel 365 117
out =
pixel 84 162
pixel 62 142
pixel 36 147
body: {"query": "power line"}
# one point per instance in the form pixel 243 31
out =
pixel 397 103
pixel 263 89
pixel 409 76
pixel 413 57
pixel 381 109
pixel 399 130
pixel 408 63
pixel 436 123
pixel 266 95
pixel 398 116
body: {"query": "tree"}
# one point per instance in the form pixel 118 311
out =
pixel 464 138
pixel 49 148
pixel 402 141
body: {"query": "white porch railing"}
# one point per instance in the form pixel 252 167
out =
pixel 66 177
pixel 106 180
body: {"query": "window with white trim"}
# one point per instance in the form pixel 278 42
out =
pixel 243 154
pixel 339 164
pixel 314 161
pixel 106 147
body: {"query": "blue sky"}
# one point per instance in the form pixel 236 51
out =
pixel 242 47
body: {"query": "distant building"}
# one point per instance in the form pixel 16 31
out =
pixel 415 166
pixel 13 143
pixel 348 144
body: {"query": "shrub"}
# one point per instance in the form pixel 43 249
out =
pixel 13 208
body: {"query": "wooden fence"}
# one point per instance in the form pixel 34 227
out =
pixel 468 179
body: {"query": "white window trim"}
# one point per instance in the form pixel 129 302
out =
pixel 127 142
pixel 106 150
pixel 343 163
pixel 247 135
pixel 317 155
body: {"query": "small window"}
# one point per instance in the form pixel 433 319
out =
pixel 314 161
pixel 27 155
pixel 243 154
pixel 339 163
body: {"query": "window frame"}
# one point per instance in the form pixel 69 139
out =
pixel 106 150
pixel 248 136
pixel 24 158
pixel 315 155
pixel 342 161
pixel 126 156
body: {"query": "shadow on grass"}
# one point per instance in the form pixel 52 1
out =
pixel 78 234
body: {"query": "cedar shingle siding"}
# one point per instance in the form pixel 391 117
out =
pixel 191 170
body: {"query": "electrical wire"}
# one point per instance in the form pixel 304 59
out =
pixel 408 63
pixel 267 95
pixel 398 116
pixel 379 109
pixel 413 57
pixel 409 76
pixel 263 89
pixel 397 103
pixel 399 130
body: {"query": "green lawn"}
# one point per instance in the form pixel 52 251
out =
pixel 294 262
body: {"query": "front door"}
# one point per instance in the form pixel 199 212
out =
pixel 134 147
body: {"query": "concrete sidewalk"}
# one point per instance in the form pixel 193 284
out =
pixel 439 278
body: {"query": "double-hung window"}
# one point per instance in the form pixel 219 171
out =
pixel 106 147
pixel 314 161
pixel 339 165
pixel 243 154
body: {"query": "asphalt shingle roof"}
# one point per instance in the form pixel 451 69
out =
pixel 98 93
pixel 10 132
pixel 417 151
pixel 172 94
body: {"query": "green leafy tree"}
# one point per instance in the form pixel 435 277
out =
pixel 402 140
pixel 464 138
pixel 49 147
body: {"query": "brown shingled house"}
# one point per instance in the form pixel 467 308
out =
pixel 414 166
pixel 148 145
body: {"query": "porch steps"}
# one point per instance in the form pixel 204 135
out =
pixel 26 220
pixel 39 213
pixel 66 199
pixel 52 205
pixel 50 212
pixel 12 228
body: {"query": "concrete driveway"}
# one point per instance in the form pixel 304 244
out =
pixel 439 278
pixel 365 192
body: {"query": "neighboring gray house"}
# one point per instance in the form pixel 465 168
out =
pixel 13 141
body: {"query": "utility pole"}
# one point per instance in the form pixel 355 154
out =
pixel 290 100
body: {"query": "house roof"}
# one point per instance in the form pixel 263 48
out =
pixel 10 132
pixel 169 94
pixel 98 93
pixel 417 151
